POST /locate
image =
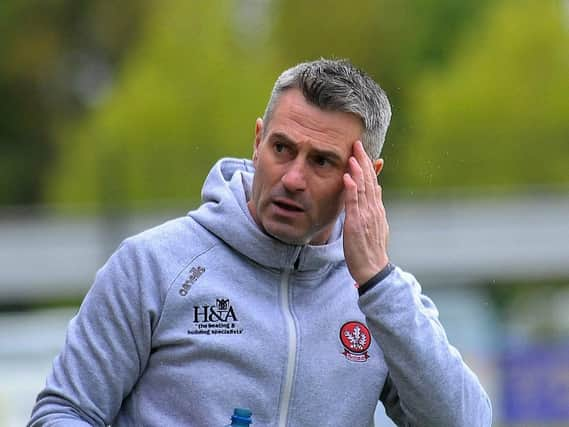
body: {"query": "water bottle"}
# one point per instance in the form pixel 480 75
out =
pixel 241 418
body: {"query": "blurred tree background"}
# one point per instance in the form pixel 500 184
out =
pixel 110 107
pixel 131 103
pixel 56 59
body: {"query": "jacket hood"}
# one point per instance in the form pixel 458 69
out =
pixel 225 214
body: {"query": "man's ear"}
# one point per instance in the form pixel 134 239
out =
pixel 378 166
pixel 258 139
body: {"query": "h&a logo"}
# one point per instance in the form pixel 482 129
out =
pixel 222 311
pixel 215 319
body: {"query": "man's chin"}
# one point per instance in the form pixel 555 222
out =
pixel 288 238
pixel 290 235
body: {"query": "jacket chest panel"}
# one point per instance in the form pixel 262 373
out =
pixel 219 335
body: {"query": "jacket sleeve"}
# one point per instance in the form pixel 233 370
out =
pixel 106 349
pixel 428 384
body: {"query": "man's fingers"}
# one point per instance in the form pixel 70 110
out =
pixel 357 175
pixel 351 201
pixel 351 190
pixel 364 161
pixel 368 172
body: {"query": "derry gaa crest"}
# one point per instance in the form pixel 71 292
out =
pixel 356 339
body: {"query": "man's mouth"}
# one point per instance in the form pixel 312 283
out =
pixel 288 205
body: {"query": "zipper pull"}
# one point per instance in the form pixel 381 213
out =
pixel 297 260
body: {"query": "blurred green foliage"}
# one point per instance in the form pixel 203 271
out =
pixel 497 118
pixel 54 55
pixel 188 94
pixel 120 104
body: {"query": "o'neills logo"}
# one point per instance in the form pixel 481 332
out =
pixel 356 339
pixel 195 274
pixel 215 319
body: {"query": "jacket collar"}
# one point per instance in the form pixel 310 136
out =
pixel 224 213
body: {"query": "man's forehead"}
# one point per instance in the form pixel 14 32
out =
pixel 293 114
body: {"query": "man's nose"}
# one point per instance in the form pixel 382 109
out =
pixel 294 178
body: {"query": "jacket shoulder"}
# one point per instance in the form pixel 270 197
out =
pixel 179 234
pixel 168 247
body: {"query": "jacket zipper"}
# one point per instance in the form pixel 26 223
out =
pixel 291 358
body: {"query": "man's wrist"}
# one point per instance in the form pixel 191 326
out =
pixel 363 276
pixel 378 277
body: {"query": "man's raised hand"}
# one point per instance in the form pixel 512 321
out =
pixel 366 229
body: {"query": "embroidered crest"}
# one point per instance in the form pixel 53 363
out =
pixel 356 339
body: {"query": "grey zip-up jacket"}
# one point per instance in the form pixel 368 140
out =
pixel 206 313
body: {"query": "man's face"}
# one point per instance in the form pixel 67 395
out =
pixel 300 160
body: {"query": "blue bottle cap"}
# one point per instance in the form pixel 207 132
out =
pixel 241 415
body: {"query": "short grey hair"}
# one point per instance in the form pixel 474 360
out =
pixel 337 85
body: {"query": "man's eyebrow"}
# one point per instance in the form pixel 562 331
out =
pixel 279 136
pixel 329 154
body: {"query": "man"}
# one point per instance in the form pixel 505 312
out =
pixel 250 299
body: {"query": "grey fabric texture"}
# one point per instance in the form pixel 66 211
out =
pixel 205 313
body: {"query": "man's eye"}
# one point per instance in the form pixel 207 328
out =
pixel 279 148
pixel 321 161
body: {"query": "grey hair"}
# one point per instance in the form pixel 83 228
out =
pixel 337 85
